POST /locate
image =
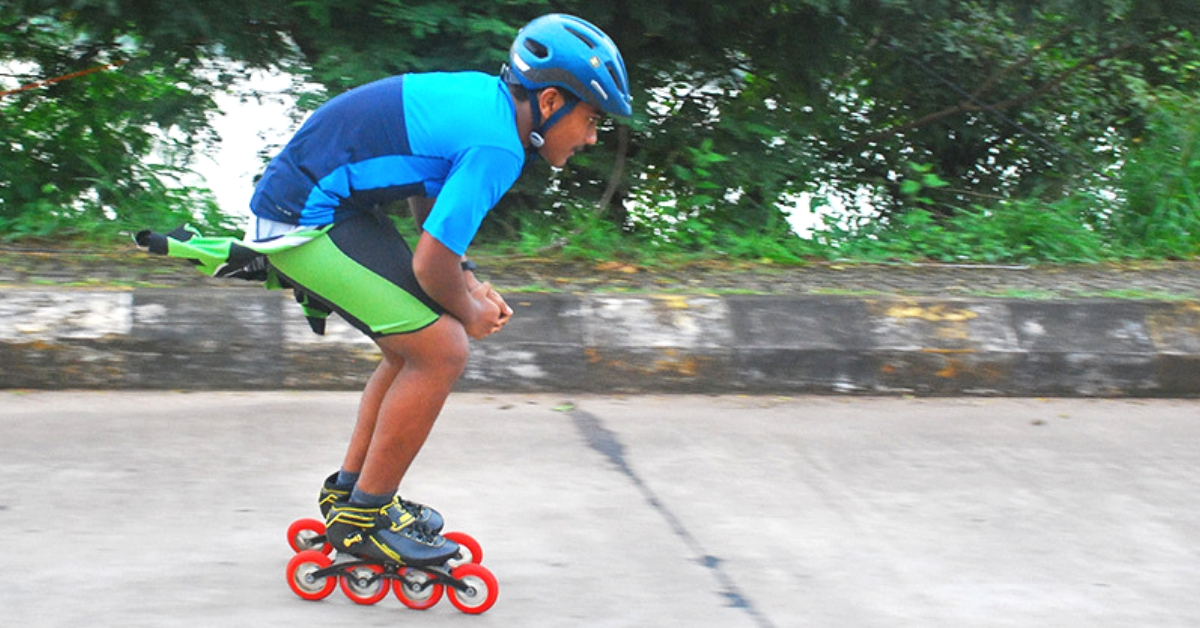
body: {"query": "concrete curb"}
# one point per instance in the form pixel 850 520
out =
pixel 205 339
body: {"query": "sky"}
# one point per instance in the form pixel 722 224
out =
pixel 246 127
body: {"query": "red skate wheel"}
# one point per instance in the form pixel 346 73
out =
pixel 365 584
pixel 308 534
pixel 415 590
pixel 300 570
pixel 482 589
pixel 469 550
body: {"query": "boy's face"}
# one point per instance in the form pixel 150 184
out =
pixel 571 134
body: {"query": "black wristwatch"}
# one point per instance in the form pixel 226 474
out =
pixel 469 265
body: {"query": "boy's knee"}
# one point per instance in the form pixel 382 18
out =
pixel 457 352
pixel 441 349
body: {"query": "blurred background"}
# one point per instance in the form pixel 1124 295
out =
pixel 1008 131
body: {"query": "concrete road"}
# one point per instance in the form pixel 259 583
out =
pixel 168 509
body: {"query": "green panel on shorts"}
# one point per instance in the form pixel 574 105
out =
pixel 321 268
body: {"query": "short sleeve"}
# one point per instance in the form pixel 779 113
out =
pixel 476 182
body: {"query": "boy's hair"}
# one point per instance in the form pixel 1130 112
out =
pixel 519 93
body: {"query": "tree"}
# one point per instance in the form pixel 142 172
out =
pixel 740 104
pixel 103 144
pixel 1006 99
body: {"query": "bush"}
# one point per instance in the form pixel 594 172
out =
pixel 1161 183
pixel 1014 232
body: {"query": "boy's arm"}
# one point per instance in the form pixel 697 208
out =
pixel 419 207
pixel 440 274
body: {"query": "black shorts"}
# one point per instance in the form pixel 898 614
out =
pixel 361 268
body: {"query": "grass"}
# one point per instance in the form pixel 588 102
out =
pixel 628 265
pixel 1017 293
pixel 1133 294
pixel 846 292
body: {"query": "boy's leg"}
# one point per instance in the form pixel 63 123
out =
pixel 366 525
pixel 368 410
pixel 362 269
pixel 433 359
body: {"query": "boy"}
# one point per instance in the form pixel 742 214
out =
pixel 452 144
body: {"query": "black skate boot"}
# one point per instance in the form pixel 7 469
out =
pixel 331 493
pixel 429 518
pixel 387 534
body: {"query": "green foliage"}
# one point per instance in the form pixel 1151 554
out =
pixel 1028 121
pixel 82 158
pixel 1016 232
pixel 1004 99
pixel 168 32
pixel 576 231
pixel 1161 181
pixel 347 44
pixel 927 180
pixel 572 231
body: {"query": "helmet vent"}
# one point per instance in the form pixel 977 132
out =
pixel 588 41
pixel 537 48
pixel 615 76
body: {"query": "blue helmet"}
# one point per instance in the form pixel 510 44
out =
pixel 563 51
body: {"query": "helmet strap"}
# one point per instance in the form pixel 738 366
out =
pixel 537 138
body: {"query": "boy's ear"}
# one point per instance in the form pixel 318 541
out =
pixel 549 100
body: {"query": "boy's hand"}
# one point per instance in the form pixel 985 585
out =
pixel 505 311
pixel 491 312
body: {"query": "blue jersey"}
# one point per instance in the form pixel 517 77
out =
pixel 450 136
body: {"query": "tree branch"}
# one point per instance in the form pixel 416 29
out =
pixel 618 171
pixel 973 104
pixel 995 79
pixel 1061 78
